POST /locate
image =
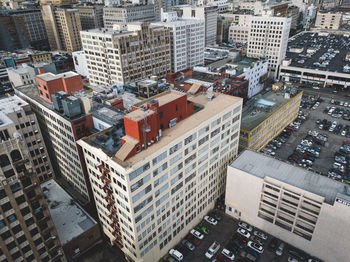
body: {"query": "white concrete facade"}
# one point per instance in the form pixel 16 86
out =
pixel 164 191
pixel 21 76
pixel 80 65
pixel 188 40
pixel 303 208
pixel 268 37
pixel 254 73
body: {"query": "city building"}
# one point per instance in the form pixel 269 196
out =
pixel 253 70
pixel 239 19
pixel 276 8
pixel 187 40
pixel 221 4
pixel 210 16
pixel 91 16
pixel 107 66
pixel 328 20
pixel 127 13
pixel 238 33
pixel 80 65
pixel 77 230
pixel 57 2
pixel 266 115
pixel 24 74
pixel 27 230
pixel 268 37
pixel 294 14
pixel 23 23
pixel 62 28
pixel 318 59
pixel 302 208
pixel 176 147
pixel 219 52
pixel 26 124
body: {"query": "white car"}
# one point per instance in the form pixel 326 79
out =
pixel 211 220
pixel 256 247
pixel 227 253
pixel 343 133
pixel 245 226
pixel 176 254
pixel 197 234
pixel 260 234
pixel 243 232
pixel 292 259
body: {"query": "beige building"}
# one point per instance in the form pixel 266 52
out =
pixel 267 116
pixel 120 55
pixel 238 34
pixel 300 207
pixel 149 198
pixel 57 2
pixel 62 28
pixel 27 230
pixel 328 20
pixel 91 16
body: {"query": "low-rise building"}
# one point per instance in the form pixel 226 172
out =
pixel 305 209
pixel 77 231
pixel 328 20
pixel 266 115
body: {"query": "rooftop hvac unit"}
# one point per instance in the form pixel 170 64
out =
pixel 71 106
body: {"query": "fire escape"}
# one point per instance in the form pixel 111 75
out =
pixel 110 206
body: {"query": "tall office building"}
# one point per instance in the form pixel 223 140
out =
pixel 62 28
pixel 27 126
pixel 27 230
pixel 62 123
pixel 268 37
pixel 156 185
pixel 210 16
pixel 127 13
pixel 131 52
pixel 28 24
pixel 91 16
pixel 187 40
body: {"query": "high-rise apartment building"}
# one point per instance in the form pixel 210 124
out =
pixel 187 40
pixel 167 172
pixel 91 16
pixel 27 126
pixel 268 37
pixel 62 123
pixel 127 13
pixel 26 228
pixel 210 16
pixel 34 28
pixel 62 28
pixel 328 20
pixel 127 53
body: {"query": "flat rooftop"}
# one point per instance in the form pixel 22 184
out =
pixel 320 51
pixel 261 166
pixel 262 106
pixel 70 219
pixel 11 104
pixel 50 76
pixel 209 108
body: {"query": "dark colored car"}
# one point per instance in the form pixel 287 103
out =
pixel 272 245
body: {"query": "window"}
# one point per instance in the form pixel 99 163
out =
pixel 190 138
pixel 139 171
pixel 175 148
pixel 159 158
pixel 140 183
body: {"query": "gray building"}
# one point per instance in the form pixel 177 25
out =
pixel 91 16
pixel 128 13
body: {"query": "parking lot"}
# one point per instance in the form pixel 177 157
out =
pixel 324 162
pixel 225 232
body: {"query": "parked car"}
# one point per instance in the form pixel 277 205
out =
pixel 203 229
pixel 243 232
pixel 280 249
pixel 255 246
pixel 211 220
pixel 215 215
pixel 195 241
pixel 197 234
pixel 188 245
pixel 257 240
pixel 176 254
pixel 227 253
pixel 292 259
pixel 245 226
pixel 260 234
pixel 214 247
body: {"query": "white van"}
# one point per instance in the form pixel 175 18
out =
pixel 279 251
pixel 212 250
pixel 176 254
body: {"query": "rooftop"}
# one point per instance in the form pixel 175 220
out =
pixel 302 178
pixel 209 108
pixel 50 76
pixel 319 51
pixel 70 219
pixel 263 106
pixel 11 104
